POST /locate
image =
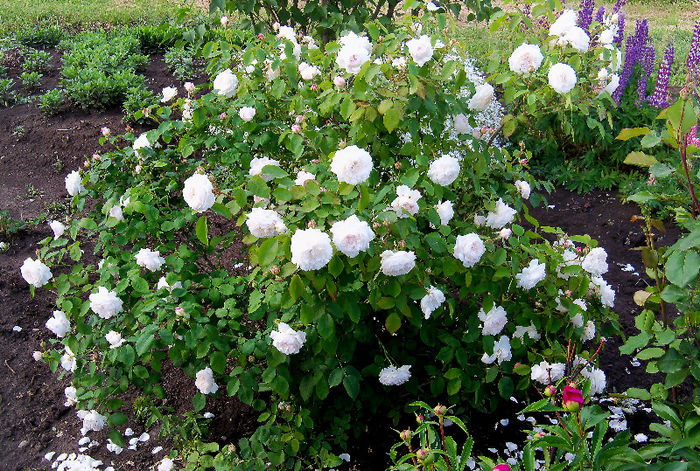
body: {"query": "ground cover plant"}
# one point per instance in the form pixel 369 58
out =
pixel 328 232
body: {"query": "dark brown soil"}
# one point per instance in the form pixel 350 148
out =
pixel 34 420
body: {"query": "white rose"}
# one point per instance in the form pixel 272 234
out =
pixel 308 72
pixel 116 212
pixel 355 51
pixel 352 236
pixel 406 201
pixel 57 228
pixel 562 78
pixel 603 290
pixel 141 142
pixel 303 177
pixel 503 215
pixel 198 193
pixel 523 188
pixel 352 165
pixel 205 381
pixel 469 249
pixel 68 361
pixel 58 324
pixel 607 36
pixel 93 421
pixel 431 301
pixel 71 396
pixel 445 211
pixel 598 379
pixel 444 171
pixel 504 233
pixel 226 83
pixel 494 321
pixel 461 124
pixel 588 331
pixel 397 263
pixel 166 464
pixel 577 38
pixel 286 32
pixel 612 85
pixel 531 275
pixel 479 220
pixel 530 330
pixel 149 259
pixel 189 87
pixel 311 249
pixel 35 272
pixel 546 373
pixel 482 97
pixel 105 303
pixel 392 376
pixel 595 262
pixel 421 49
pixel 115 339
pixel 501 351
pixel 525 59
pixel 566 21
pixel 339 81
pixel 168 94
pixel 247 113
pixel 74 184
pixel 287 340
pixel 265 223
pixel 257 165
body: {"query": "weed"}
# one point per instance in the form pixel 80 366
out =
pixel 31 80
pixel 8 96
pixel 10 225
pixel 32 192
pixel 18 131
pixel 180 61
pixel 37 61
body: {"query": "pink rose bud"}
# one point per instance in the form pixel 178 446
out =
pixel 276 26
pixel 314 87
pixel 401 243
pixel 260 35
pixel 224 21
pixel 189 87
pixel 339 81
pixel 501 467
pixel 342 144
pixel 86 164
pixel 406 435
pixel 505 233
pixel 376 225
pixel 550 390
pixel 439 410
pixel 420 418
pixel 138 168
pixel 222 116
pixel 573 399
pixel 179 312
pixel 275 270
pixel 523 161
pixel 397 165
pixel 422 454
pixel 651 180
pixel 296 129
pixel 569 292
pixel 105 131
pixel 315 161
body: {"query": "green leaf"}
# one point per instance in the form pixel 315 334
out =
pixel 629 133
pixel 326 326
pixel 682 266
pixel 202 230
pixel 650 140
pixel 117 418
pixel 393 323
pixel 352 386
pixel 640 159
pixel 671 362
pixel 145 340
pixel 268 252
pixel 257 186
pixel 505 387
pixel 296 287
pixel 336 377
pixel 117 438
pixel 218 362
pixel 221 210
pixel 387 303
pixel 199 401
pixel 638 393
pixel 543 405
pixel 391 119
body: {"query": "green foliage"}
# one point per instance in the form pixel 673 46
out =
pixel 180 61
pixel 31 80
pixel 157 39
pixel 51 102
pixel 100 69
pixel 137 100
pixel 40 37
pixel 36 61
pixel 8 96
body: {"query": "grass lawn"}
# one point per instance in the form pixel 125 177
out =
pixel 80 14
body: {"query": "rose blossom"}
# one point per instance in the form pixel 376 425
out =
pixel 247 113
pixel 205 381
pixel 355 51
pixel 352 236
pixel 74 184
pixel 265 223
pixel 595 262
pixel 116 213
pixel 397 263
pixel 68 360
pixel 501 351
pixel 58 324
pixel 444 171
pixel 115 339
pixel 141 142
pixel 352 165
pixel 308 71
pixel 530 330
pixel 406 200
pixel 189 87
pixel 494 320
pixel 523 188
pixel 461 124
pixel 168 94
pixel 469 249
pixel 531 275
pixel 481 98
pixel 226 83
pixel 339 81
pixel 93 421
pixel 105 303
pixel 149 259
pixel 503 215
pixel 35 272
pixel 311 249
pixel 562 78
pixel 445 211
pixel 303 177
pixel 431 301
pixel 287 340
pixel 525 59
pixel 71 396
pixel 421 49
pixel 392 376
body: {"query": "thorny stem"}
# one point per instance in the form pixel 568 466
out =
pixel 682 148
pixel 442 435
pixel 659 281
pixel 410 450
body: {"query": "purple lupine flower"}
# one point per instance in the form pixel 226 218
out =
pixel 526 10
pixel 585 14
pixel 659 98
pixel 694 54
pixel 620 29
pixel 600 15
pixel 645 58
pixel 619 5
pixel 634 47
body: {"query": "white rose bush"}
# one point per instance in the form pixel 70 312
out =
pixel 358 276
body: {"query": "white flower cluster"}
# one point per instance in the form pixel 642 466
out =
pixel 494 321
pixel 352 236
pixel 287 340
pixel 503 215
pixel 546 373
pixel 445 211
pixel 531 275
pixel 114 339
pixel 265 223
pixel 311 249
pixel 392 376
pixel 199 193
pixel 105 303
pixel 354 52
pixel 406 202
pixel 565 29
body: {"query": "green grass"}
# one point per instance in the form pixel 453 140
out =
pixel 86 14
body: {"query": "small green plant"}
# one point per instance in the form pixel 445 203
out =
pixel 39 36
pixel 31 80
pixel 36 61
pixel 32 192
pixel 9 225
pixel 51 104
pixel 180 61
pixel 8 96
pixel 157 39
pixel 138 103
pixel 18 132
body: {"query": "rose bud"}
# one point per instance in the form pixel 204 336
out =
pixel 573 399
